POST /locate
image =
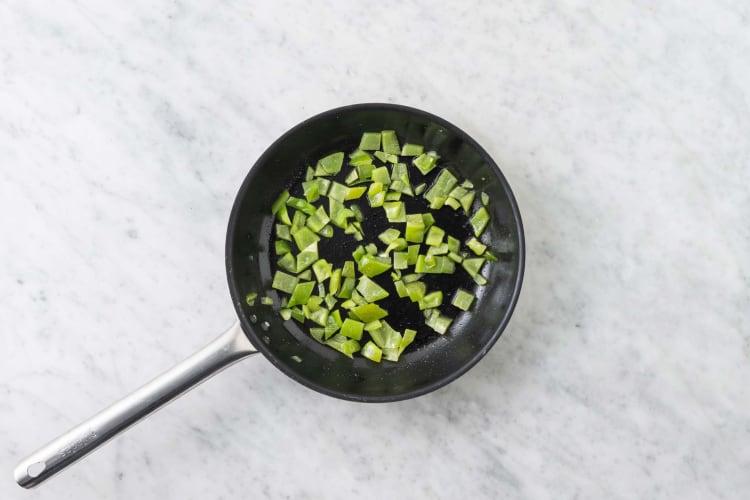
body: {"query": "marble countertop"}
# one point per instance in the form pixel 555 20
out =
pixel 623 128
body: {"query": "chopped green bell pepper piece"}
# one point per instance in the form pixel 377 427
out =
pixel 322 269
pixel 312 190
pixel 434 236
pixel 284 282
pixel 476 246
pixel 352 329
pixel 355 192
pixel 301 293
pixel 390 142
pixel 288 263
pixel 330 165
pixel 304 237
pixel 434 264
pixel 479 221
pixel 485 198
pixel 250 298
pixel 371 291
pixel 412 149
pixel 282 247
pixel 280 202
pixel 416 290
pixel 400 260
pixel 302 205
pixel 347 287
pixel 372 265
pixel 370 141
pixel 282 231
pixel 389 235
pixel 400 288
pixel 415 228
pixel 473 265
pixel 432 299
pixel 426 162
pixel 371 352
pixel 462 299
pixel 306 257
pixel 368 313
pixel 338 191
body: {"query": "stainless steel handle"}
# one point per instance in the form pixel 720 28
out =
pixel 78 442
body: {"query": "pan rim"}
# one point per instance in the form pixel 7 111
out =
pixel 437 383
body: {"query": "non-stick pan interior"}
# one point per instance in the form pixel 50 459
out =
pixel 433 360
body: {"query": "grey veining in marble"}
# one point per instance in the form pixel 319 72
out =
pixel 623 127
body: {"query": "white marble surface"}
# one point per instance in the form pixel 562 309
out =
pixel 623 127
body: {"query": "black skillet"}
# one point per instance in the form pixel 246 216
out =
pixel 429 363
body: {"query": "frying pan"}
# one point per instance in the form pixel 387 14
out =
pixel 429 363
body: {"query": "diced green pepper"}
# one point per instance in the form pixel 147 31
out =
pixel 359 158
pixel 318 220
pixel 347 287
pixel 351 178
pixel 312 190
pixel 371 352
pixel 284 282
pixel 343 345
pixel 369 312
pixel 412 149
pixel 250 298
pixel 389 235
pixel 438 193
pixel 301 205
pixel 348 269
pixel 330 165
pixel 352 329
pixel 286 314
pixel 322 269
pixel 335 283
pixel 434 264
pixel 406 339
pixel 416 290
pixel 371 291
pixel 434 236
pixel 462 299
pixel 485 199
pixel 381 176
pixel 400 260
pixel 282 231
pixel 426 162
pixel 390 142
pixel 432 299
pixel 412 254
pixel 401 289
pixel 370 141
pixel 466 201
pixel 355 192
pixel 280 202
pixel 479 221
pixel 372 265
pixel 476 246
pixel 420 189
pixel 441 324
pixel 338 191
pixel 304 237
pixel 288 263
pixel 306 257
pixel 473 266
pixel 414 228
pixel 298 315
pixel 282 247
pixel 301 293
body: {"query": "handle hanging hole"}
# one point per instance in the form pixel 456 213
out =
pixel 35 469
